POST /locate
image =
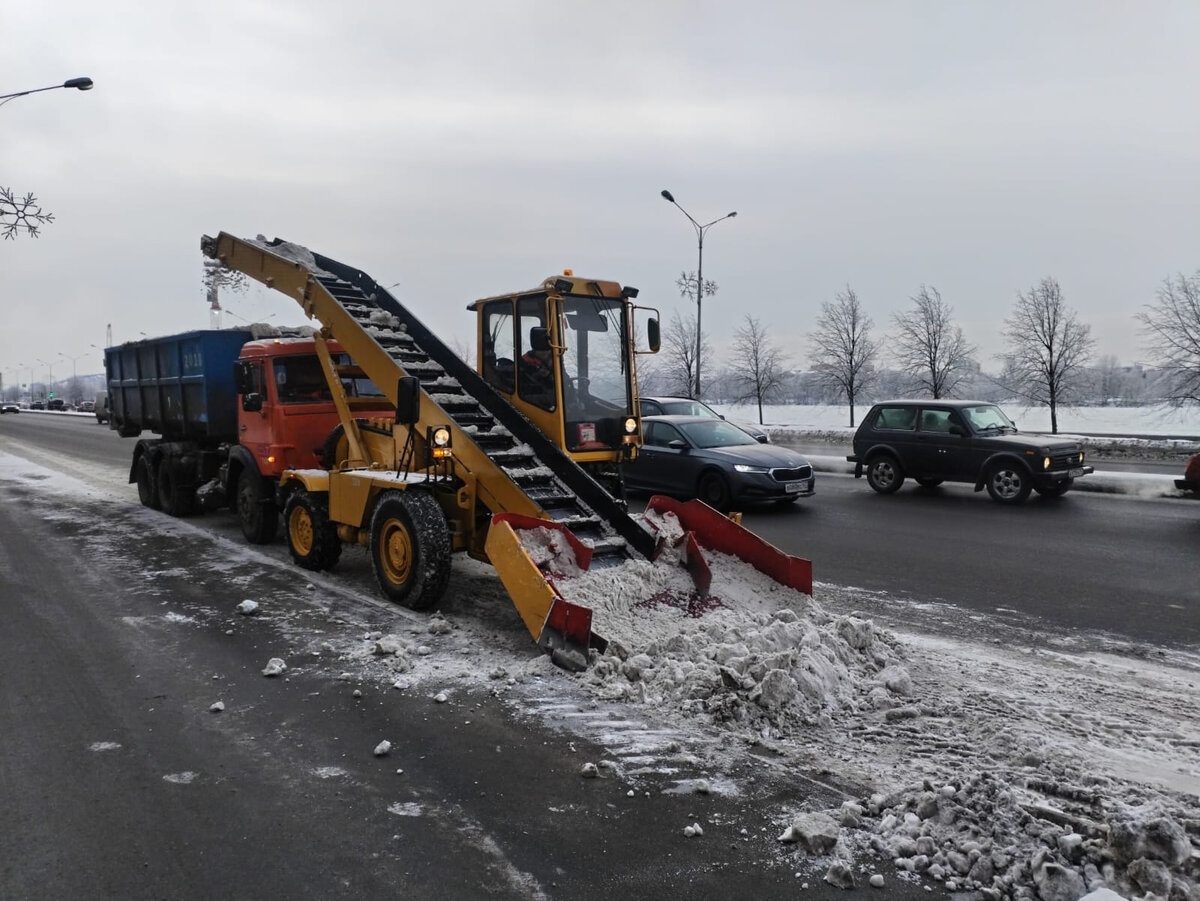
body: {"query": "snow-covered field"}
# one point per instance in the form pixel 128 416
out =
pixel 975 753
pixel 1155 420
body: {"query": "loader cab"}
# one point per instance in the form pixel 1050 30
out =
pixel 564 356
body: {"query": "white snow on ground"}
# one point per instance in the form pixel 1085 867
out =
pixel 1009 768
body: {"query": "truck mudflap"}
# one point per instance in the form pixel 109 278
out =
pixel 528 554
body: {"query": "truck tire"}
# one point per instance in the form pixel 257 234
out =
pixel 410 548
pixel 311 537
pixel 1008 483
pixel 146 484
pixel 256 510
pixel 174 499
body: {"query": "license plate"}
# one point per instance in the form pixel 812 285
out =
pixel 1074 473
pixel 794 487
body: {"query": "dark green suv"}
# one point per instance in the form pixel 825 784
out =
pixel 935 441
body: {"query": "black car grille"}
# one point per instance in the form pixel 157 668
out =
pixel 1066 460
pixel 791 475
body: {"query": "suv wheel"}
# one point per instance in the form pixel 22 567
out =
pixel 1008 483
pixel 885 474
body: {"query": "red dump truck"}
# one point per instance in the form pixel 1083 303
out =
pixel 230 410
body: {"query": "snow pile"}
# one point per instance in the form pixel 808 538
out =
pixel 990 836
pixel 749 653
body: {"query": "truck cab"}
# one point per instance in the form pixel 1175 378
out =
pixel 564 356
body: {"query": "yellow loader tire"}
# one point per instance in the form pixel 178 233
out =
pixel 410 548
pixel 311 537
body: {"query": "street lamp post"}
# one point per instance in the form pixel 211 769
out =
pixel 74 375
pixel 49 369
pixel 82 84
pixel 700 230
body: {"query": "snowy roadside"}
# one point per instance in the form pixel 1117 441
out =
pixel 1007 768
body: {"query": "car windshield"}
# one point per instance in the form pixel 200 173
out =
pixel 688 407
pixel 715 433
pixel 987 418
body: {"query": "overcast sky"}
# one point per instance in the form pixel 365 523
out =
pixel 467 149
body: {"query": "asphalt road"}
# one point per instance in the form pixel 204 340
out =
pixel 119 781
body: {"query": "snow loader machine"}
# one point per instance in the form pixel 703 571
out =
pixel 483 460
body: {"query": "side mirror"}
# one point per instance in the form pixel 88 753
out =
pixel 252 402
pixel 539 338
pixel 653 337
pixel 763 439
pixel 958 430
pixel 678 444
pixel 408 400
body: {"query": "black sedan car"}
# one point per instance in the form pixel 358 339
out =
pixel 717 462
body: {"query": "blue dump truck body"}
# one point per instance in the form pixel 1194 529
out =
pixel 180 387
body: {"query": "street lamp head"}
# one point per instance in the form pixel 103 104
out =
pixel 668 196
pixel 731 215
pixel 84 84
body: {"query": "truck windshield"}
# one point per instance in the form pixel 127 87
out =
pixel 299 380
pixel 595 363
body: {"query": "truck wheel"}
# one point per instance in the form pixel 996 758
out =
pixel 311 537
pixel 146 485
pixel 1008 483
pixel 410 548
pixel 257 512
pixel 885 474
pixel 174 499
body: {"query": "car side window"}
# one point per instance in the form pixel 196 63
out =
pixel 936 421
pixel 897 418
pixel 659 434
pixel 651 408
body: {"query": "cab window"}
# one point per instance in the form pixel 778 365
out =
pixel 897 418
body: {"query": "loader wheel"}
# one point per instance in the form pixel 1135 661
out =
pixel 311 537
pixel 410 548
pixel 175 499
pixel 257 512
pixel 714 491
pixel 146 485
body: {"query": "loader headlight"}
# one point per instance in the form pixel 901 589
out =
pixel 630 426
pixel 438 438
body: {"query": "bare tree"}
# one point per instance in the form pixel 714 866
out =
pixel 19 214
pixel 758 366
pixel 843 350
pixel 1047 348
pixel 678 356
pixel 1172 327
pixel 930 347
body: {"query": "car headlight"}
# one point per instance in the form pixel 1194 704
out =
pixel 1045 462
pixel 742 467
pixel 630 426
